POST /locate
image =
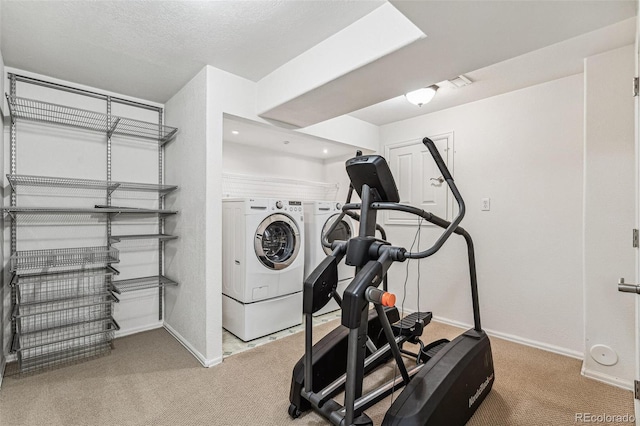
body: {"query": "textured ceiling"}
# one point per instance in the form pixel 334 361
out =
pixel 150 49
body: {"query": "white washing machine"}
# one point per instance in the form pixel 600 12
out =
pixel 262 265
pixel 319 216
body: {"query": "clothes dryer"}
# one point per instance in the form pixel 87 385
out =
pixel 319 216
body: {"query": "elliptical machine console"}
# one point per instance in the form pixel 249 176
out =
pixel 448 380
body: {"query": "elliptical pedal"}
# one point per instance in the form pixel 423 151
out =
pixel 411 325
pixel 432 349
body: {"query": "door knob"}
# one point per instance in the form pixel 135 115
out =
pixel 628 288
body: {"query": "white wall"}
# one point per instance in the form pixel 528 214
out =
pixel 609 210
pixel 334 171
pixel 188 257
pixel 217 82
pixel 251 160
pixel 194 162
pixel 523 150
pixel 3 320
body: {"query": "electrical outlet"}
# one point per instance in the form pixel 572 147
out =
pixel 486 204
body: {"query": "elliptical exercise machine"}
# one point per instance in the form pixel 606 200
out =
pixel 450 379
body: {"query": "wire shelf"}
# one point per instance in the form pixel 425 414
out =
pixel 56 258
pixel 44 316
pixel 45 112
pixel 124 286
pixel 58 286
pixel 13 211
pixel 58 182
pixel 161 237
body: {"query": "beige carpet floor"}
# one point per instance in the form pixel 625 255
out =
pixel 150 379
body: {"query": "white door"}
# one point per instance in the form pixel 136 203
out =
pixel 637 224
pixel 419 181
pixel 628 287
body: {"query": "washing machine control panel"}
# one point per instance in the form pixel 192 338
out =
pixel 294 206
pixel 287 206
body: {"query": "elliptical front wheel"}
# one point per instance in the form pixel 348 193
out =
pixel 294 413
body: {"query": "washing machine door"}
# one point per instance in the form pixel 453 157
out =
pixel 277 241
pixel 342 231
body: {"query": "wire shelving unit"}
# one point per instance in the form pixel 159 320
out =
pixel 62 298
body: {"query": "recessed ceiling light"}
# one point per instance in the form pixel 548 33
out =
pixel 235 132
pixel 325 151
pixel 422 96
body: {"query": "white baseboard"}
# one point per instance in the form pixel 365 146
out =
pixel 595 375
pixel 204 361
pixel 127 332
pixel 516 339
pixel 2 369
pixel 606 378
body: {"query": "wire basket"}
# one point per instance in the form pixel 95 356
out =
pixel 41 288
pixel 42 338
pixel 100 346
pixel 44 316
pixel 59 258
pixel 43 349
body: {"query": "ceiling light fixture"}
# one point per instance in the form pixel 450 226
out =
pixel 422 96
pixel 325 151
pixel 235 132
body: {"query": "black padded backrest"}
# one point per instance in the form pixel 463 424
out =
pixel 373 170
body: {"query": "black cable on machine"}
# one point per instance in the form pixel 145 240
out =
pixel 404 292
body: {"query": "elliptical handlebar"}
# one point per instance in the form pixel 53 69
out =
pixel 456 194
pixel 449 227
